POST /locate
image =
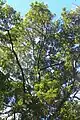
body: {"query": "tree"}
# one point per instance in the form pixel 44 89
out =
pixel 39 62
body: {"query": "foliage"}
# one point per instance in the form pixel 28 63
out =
pixel 39 63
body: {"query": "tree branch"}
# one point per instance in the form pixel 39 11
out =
pixel 7 112
pixel 17 60
pixel 52 65
pixel 77 97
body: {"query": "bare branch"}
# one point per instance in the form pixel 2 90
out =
pixel 77 97
pixel 24 91
pixel 7 112
pixel 52 65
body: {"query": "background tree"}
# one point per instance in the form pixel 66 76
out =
pixel 39 63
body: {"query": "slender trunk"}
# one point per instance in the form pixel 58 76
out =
pixel 17 60
pixel 14 116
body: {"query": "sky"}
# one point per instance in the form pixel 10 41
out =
pixel 55 6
